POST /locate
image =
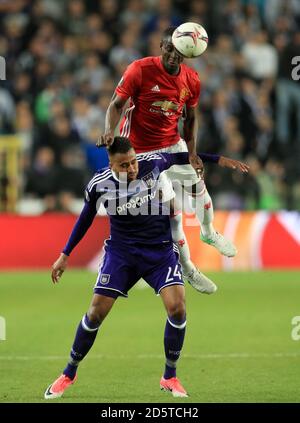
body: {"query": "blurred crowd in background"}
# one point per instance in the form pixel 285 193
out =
pixel 65 57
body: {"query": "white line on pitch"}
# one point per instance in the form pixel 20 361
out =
pixel 155 356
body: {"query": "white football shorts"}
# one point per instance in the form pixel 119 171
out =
pixel 182 174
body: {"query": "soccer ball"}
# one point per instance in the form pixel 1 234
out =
pixel 190 39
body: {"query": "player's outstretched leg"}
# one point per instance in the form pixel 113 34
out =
pixel 205 213
pixel 84 339
pixel 85 336
pixel 173 298
pixel 190 273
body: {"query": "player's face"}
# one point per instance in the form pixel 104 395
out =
pixel 171 59
pixel 125 165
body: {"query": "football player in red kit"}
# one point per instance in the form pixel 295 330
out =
pixel 159 89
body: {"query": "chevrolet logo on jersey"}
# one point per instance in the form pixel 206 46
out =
pixel 166 105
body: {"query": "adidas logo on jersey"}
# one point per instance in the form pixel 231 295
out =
pixel 155 88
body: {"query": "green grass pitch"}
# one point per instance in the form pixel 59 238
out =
pixel 238 345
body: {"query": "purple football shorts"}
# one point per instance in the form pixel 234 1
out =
pixel 122 266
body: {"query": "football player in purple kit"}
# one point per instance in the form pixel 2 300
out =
pixel 140 246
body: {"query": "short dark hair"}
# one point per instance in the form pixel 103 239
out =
pixel 120 145
pixel 168 32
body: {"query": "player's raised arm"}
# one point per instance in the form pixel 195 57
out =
pixel 112 118
pixel 183 158
pixel 127 87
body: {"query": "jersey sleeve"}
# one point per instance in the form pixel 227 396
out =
pixel 84 221
pixel 167 160
pixel 130 82
pixel 195 92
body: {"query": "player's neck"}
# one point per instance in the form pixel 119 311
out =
pixel 170 71
pixel 173 72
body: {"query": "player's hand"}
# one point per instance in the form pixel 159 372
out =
pixel 233 164
pixel 105 140
pixel 197 164
pixel 59 267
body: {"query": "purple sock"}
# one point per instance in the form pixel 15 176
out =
pixel 173 341
pixel 84 339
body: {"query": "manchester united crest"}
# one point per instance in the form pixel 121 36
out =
pixel 184 93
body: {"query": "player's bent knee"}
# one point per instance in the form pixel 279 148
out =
pixel 94 316
pixel 177 310
pixel 100 308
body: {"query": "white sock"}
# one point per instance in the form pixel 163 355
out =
pixel 180 240
pixel 205 213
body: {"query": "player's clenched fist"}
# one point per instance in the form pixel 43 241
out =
pixel 197 164
pixel 105 140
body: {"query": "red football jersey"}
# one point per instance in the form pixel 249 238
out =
pixel 156 102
